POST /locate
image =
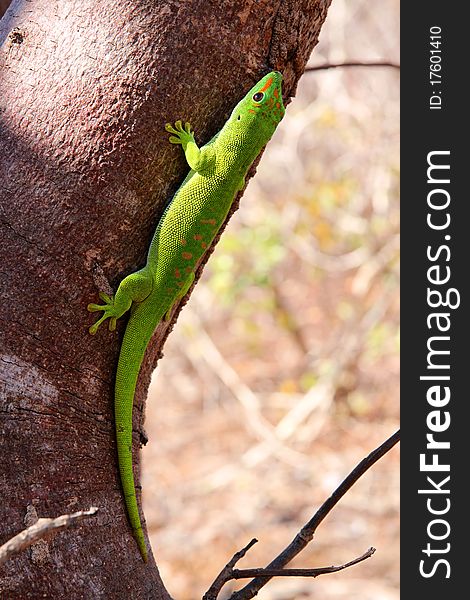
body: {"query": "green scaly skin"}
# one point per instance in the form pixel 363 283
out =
pixel 187 227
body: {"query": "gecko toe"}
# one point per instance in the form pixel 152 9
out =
pixel 95 307
pixel 105 298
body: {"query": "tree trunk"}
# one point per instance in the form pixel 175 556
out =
pixel 4 4
pixel 85 172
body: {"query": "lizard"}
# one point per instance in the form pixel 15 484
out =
pixel 186 229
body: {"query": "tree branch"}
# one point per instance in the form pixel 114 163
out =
pixel 305 535
pixel 228 572
pixel 355 63
pixel 245 573
pixel 40 530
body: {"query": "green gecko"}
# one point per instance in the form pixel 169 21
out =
pixel 186 229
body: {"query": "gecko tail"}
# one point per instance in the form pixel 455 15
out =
pixel 139 537
pixel 133 348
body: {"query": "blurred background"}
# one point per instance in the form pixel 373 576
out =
pixel 282 371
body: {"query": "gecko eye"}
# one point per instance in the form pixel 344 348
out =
pixel 258 96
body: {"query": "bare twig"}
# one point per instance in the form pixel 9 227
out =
pixel 41 529
pixel 356 63
pixel 306 534
pixel 245 573
pixel 228 572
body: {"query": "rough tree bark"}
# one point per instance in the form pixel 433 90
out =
pixel 85 172
pixel 4 4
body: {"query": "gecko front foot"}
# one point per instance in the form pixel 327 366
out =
pixel 109 312
pixel 181 135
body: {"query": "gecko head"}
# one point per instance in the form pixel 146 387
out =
pixel 261 109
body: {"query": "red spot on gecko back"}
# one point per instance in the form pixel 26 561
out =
pixel 198 237
pixel 276 93
pixel 177 273
pixel 183 242
pixel 187 255
pixel 208 221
